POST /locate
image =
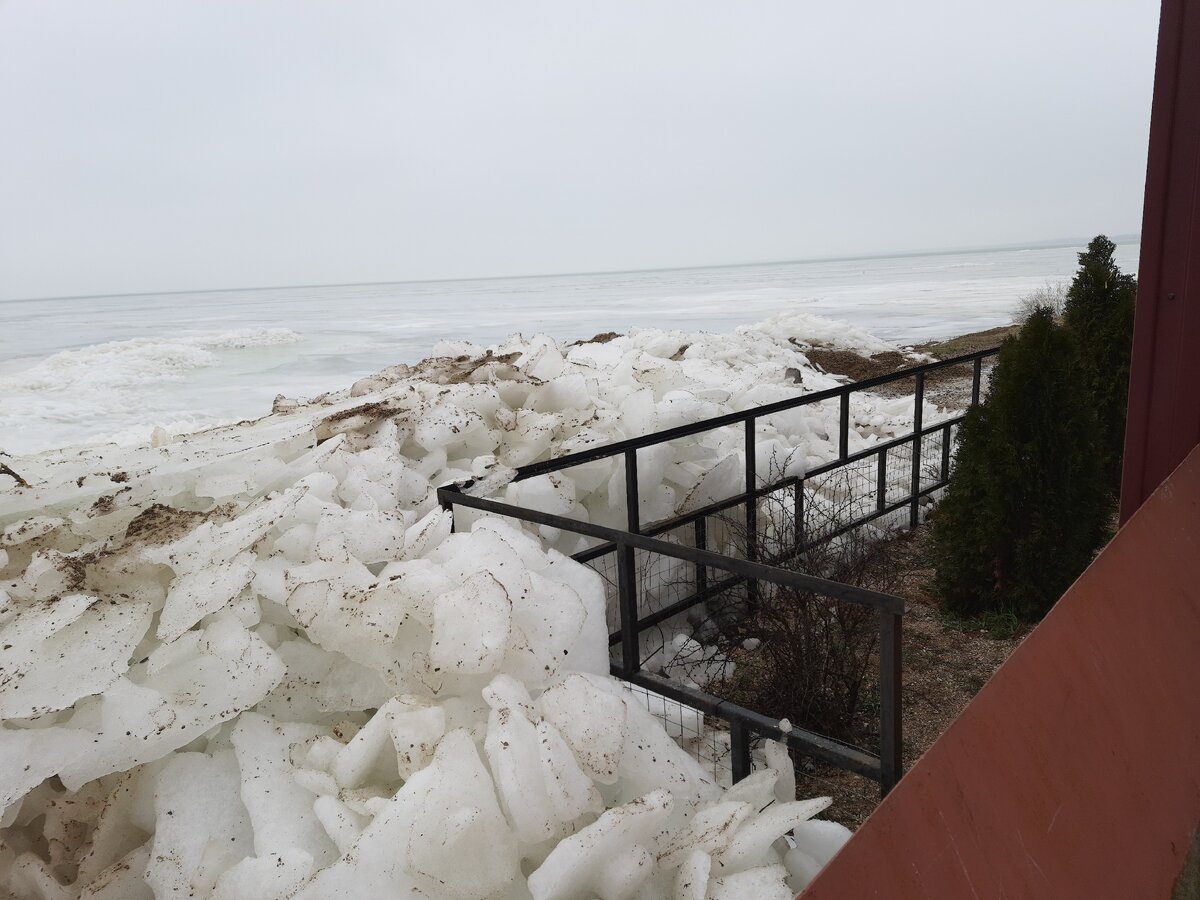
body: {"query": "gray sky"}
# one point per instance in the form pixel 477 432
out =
pixel 154 146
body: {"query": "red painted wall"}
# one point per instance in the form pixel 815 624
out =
pixel 1075 773
pixel 1164 385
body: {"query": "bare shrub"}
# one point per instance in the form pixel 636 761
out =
pixel 804 657
pixel 1051 296
pixel 812 664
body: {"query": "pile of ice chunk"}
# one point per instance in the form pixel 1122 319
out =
pixel 254 661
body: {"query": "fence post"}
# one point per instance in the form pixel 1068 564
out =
pixel 946 453
pixel 798 538
pixel 891 762
pixel 844 427
pixel 976 379
pixel 702 544
pixel 918 411
pixel 751 510
pixel 628 609
pixel 632 513
pixel 881 481
pixel 751 486
pixel 627 599
pixel 739 748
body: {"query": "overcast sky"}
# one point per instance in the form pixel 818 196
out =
pixel 155 146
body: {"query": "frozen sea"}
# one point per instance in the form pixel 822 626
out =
pixel 87 368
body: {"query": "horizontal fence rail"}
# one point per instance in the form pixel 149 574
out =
pixel 900 464
pixel 617 448
pixel 884 768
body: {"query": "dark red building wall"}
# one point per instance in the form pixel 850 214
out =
pixel 1164 384
pixel 1075 773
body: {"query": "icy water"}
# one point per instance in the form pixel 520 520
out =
pixel 80 368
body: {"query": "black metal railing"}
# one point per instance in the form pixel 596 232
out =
pixel 747 418
pixel 754 569
pixel 744 723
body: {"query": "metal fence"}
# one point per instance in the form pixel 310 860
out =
pixel 659 571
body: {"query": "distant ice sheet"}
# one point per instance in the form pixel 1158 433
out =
pixel 82 368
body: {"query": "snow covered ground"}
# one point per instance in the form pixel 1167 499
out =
pixel 253 661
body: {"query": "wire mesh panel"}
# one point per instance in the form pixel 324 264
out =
pixel 777 520
pixel 705 738
pixel 606 567
pixel 709 740
pixel 953 446
pixel 679 603
pixel 931 459
pixel 899 472
pixel 663 581
pixel 835 500
pixel 813 779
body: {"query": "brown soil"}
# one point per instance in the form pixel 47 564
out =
pixel 856 366
pixel 75 568
pixel 945 664
pixel 967 343
pixel 460 369
pixel 159 524
pixel 378 410
pixel 945 387
pixel 603 338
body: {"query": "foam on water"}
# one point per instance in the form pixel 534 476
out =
pixel 135 362
pixel 118 381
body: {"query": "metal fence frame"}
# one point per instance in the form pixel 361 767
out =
pixel 885 768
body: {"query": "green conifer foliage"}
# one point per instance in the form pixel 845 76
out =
pixel 1099 312
pixel 1026 508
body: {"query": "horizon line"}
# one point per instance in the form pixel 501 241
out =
pixel 1045 244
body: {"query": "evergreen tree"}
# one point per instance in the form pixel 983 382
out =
pixel 1026 508
pixel 1099 312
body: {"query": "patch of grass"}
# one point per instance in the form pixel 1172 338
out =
pixel 999 624
pixel 967 343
